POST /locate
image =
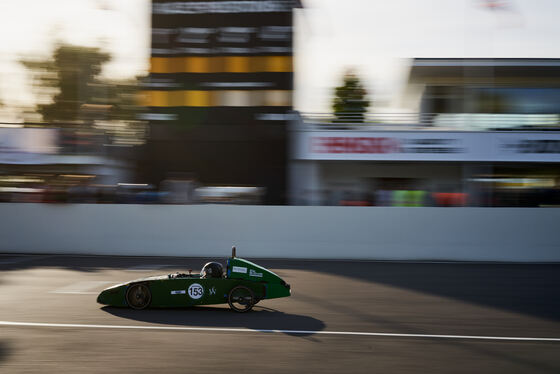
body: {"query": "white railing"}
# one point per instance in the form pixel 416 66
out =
pixel 431 121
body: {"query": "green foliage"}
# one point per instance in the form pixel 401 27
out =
pixel 70 89
pixel 350 100
pixel 72 76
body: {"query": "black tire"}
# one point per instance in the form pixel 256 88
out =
pixel 241 299
pixel 138 296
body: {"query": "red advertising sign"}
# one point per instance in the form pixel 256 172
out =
pixel 427 146
pixel 335 144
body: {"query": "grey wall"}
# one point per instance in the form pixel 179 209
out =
pixel 473 234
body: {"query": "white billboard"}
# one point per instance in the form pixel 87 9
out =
pixel 427 146
pixel 27 145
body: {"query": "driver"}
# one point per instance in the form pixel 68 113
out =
pixel 212 270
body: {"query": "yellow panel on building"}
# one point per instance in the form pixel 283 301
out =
pixel 160 65
pixel 237 64
pixel 229 98
pixel 196 65
pixel 222 64
pixel 197 98
pixel 278 64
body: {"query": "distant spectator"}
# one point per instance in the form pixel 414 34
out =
pixel 450 199
pixel 383 198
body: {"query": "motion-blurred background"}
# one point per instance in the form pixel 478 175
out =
pixel 391 160
pixel 355 103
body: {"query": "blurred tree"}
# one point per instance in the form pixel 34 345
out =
pixel 71 93
pixel 350 101
pixel 70 79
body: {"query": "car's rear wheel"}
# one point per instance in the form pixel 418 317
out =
pixel 138 296
pixel 241 299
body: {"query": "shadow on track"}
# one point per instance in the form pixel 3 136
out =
pixel 530 289
pixel 260 318
pixel 4 352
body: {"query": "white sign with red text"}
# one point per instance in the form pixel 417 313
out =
pixel 428 146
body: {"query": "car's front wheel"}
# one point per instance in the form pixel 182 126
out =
pixel 138 296
pixel 241 299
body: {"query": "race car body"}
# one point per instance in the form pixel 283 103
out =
pixel 243 285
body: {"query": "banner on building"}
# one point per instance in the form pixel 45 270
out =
pixel 427 146
pixel 27 145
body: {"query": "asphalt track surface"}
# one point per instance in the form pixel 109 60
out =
pixel 353 317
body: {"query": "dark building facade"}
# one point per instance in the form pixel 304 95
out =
pixel 219 93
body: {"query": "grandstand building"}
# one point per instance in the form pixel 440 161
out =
pixel 484 132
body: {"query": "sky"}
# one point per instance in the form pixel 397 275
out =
pixel 374 38
pixel 378 39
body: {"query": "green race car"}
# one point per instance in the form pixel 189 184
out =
pixel 242 286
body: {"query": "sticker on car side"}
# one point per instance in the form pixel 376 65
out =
pixel 253 273
pixel 195 291
pixel 239 269
pixel 178 292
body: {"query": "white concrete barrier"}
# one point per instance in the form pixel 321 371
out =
pixel 464 234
